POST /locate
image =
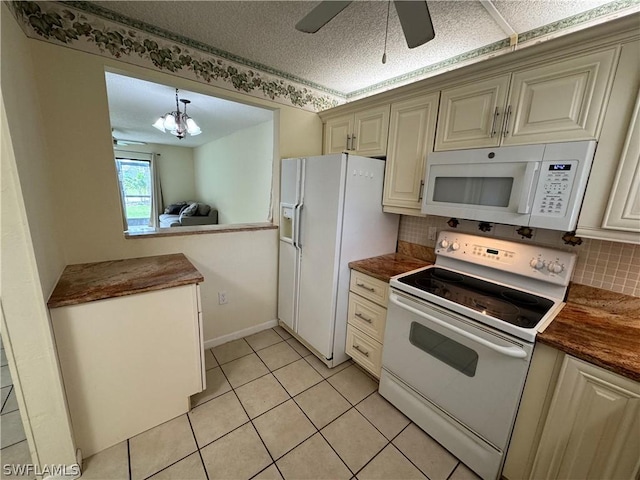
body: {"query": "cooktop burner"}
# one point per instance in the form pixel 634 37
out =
pixel 507 304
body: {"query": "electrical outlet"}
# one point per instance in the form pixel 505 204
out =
pixel 433 232
pixel 222 298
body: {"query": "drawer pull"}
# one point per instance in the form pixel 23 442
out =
pixel 371 289
pixel 359 315
pixel 364 352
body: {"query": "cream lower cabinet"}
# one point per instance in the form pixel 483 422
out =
pixel 367 316
pixel 555 102
pixel 129 363
pixel 611 207
pixel 592 430
pixel 411 130
pixel 575 420
pixel 361 133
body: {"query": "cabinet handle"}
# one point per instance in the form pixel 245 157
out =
pixel 353 142
pixel 364 352
pixel 496 114
pixel 421 190
pixel 359 315
pixel 506 121
pixel 348 142
pixel 365 287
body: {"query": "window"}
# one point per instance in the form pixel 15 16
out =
pixel 135 177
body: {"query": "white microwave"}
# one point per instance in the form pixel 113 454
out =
pixel 530 185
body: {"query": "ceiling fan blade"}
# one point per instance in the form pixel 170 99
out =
pixel 416 22
pixel 320 16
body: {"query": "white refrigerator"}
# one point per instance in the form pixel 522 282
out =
pixel 330 214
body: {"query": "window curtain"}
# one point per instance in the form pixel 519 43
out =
pixel 158 203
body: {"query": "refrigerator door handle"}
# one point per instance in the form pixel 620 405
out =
pixel 296 225
pixel 298 208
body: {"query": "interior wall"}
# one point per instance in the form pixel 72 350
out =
pixel 86 201
pixel 233 174
pixel 176 168
pixel 32 255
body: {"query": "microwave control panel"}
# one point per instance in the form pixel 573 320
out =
pixel 554 188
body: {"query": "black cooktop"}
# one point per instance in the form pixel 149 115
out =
pixel 507 304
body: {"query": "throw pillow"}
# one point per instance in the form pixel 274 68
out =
pixel 174 208
pixel 190 211
pixel 203 209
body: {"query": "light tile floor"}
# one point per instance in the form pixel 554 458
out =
pixel 12 438
pixel 272 410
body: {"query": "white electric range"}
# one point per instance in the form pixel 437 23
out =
pixel 459 339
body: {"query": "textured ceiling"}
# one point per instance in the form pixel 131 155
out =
pixel 134 105
pixel 345 55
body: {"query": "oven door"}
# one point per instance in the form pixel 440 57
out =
pixel 469 371
pixel 500 192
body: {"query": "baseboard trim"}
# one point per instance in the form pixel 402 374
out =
pixel 214 342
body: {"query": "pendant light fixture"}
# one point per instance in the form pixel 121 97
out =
pixel 178 123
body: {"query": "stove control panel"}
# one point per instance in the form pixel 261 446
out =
pixel 546 264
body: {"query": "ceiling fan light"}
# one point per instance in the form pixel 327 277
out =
pixel 159 124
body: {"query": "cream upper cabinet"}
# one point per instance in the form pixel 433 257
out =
pixel 558 101
pixel 623 210
pixel 411 133
pixel 471 116
pixel 611 207
pixel 591 431
pixel 337 134
pixel 363 133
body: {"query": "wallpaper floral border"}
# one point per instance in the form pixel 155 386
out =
pixel 90 28
pixel 62 24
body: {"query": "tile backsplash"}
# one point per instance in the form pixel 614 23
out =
pixel 609 265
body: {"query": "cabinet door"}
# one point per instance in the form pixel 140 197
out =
pixel 472 116
pixel 411 132
pixel 371 130
pixel 563 101
pixel 592 428
pixel 623 211
pixel 336 131
pixel 611 149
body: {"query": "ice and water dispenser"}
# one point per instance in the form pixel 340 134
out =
pixel 286 222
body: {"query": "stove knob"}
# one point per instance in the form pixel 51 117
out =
pixel 536 263
pixel 555 267
pixel 455 246
pixel 444 243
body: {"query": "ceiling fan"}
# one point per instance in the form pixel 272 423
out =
pixel 122 142
pixel 414 18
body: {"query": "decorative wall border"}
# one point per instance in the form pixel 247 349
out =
pixel 90 28
pixel 63 24
pixel 568 24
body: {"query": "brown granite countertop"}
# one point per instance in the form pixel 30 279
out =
pixel 600 327
pixel 87 282
pixel 386 266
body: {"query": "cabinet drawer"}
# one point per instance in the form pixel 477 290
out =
pixel 368 287
pixel 364 350
pixel 367 316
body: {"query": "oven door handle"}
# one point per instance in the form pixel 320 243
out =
pixel 508 351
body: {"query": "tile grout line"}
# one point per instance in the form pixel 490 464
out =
pixel 206 472
pixel 273 462
pixel 129 458
pixel 6 400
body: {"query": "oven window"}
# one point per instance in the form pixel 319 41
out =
pixel 483 191
pixel 452 353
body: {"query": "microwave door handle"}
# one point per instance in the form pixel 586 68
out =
pixel 514 352
pixel 528 188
